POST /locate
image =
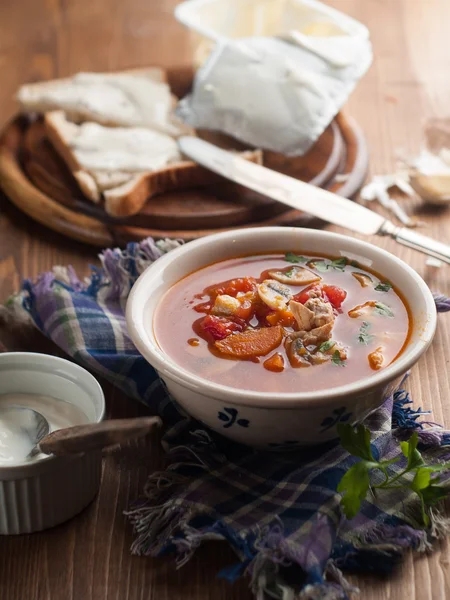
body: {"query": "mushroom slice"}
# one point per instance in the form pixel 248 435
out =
pixel 303 315
pixel 317 336
pixel 274 294
pixel 296 352
pixel 295 276
pixel 363 279
pixel 323 311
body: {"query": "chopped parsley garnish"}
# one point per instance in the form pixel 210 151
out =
pixel 325 265
pixel 383 286
pixel 383 310
pixel 290 272
pixel 326 345
pixel 337 360
pixel 364 337
pixel 295 258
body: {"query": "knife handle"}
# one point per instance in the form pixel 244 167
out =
pixel 417 241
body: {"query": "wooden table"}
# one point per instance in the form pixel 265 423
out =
pixel 89 558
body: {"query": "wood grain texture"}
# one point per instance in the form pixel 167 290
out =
pixel 409 82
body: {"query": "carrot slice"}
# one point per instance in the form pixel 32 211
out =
pixel 250 343
pixel 274 363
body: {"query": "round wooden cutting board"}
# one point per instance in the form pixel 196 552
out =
pixel 37 181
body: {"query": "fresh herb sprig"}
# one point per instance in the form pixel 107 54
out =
pixel 338 264
pixel 337 360
pixel 416 476
pixel 383 310
pixel 324 346
pixel 364 337
pixel 383 286
pixel 295 258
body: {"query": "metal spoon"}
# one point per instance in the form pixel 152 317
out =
pixel 73 440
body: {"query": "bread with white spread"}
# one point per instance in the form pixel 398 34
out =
pixel 136 98
pixel 124 166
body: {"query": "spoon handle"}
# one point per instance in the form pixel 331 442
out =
pixel 83 438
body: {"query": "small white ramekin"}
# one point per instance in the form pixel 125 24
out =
pixel 38 495
pixel 265 419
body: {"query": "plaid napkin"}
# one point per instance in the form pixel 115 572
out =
pixel 279 512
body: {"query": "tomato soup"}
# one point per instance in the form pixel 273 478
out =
pixel 282 323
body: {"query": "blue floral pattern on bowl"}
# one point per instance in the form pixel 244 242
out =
pixel 339 415
pixel 230 417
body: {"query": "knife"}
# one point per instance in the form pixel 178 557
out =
pixel 305 197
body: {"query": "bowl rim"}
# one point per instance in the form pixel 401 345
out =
pixel 56 361
pixel 168 367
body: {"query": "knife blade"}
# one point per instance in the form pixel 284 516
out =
pixel 305 197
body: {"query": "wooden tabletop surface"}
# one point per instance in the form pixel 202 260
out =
pixel 89 558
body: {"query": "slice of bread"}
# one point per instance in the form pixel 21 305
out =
pixel 136 98
pixel 124 166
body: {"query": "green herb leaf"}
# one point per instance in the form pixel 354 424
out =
pixel 356 440
pixel 364 337
pixel 434 493
pixel 383 310
pixel 353 263
pixel 326 345
pixel 338 264
pixel 295 258
pixel 409 449
pixel 356 482
pixel 421 479
pixel 337 360
pixel 290 272
pixel 354 486
pixel 383 286
pixel 321 265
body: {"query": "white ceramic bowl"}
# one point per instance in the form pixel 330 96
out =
pixel 276 420
pixel 46 492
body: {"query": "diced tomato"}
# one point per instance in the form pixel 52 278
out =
pixel 217 328
pixel 305 294
pixel 232 287
pixel 335 295
pixel 203 307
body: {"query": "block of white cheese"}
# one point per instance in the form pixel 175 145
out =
pixel 276 94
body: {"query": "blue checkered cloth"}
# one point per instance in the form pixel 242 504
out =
pixel 279 512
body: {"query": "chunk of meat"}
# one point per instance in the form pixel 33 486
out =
pixel 225 305
pixel 330 293
pixel 217 328
pixel 295 276
pixel 303 315
pixel 317 335
pixel 242 306
pixel 362 310
pixel 362 278
pixel 323 311
pixel 376 359
pixel 313 291
pixel 274 363
pixel 274 294
pixel 250 343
